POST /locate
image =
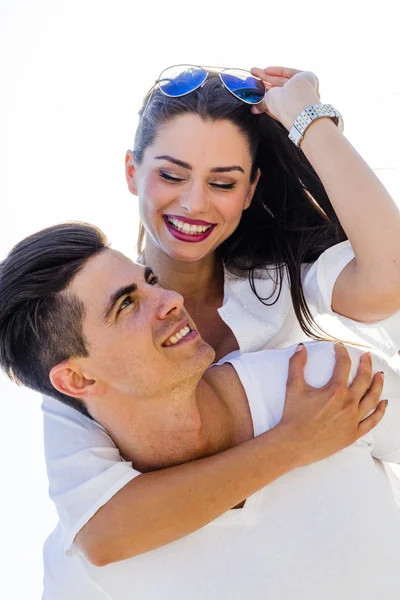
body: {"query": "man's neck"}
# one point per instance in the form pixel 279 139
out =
pixel 200 282
pixel 182 426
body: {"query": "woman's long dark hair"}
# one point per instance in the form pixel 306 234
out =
pixel 290 221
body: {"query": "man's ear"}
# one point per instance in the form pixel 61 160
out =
pixel 252 190
pixel 130 171
pixel 69 380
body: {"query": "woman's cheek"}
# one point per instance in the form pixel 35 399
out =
pixel 232 209
pixel 157 195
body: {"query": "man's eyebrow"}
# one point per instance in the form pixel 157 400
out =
pixel 186 165
pixel 125 291
pixel 122 291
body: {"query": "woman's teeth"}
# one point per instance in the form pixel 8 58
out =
pixel 178 336
pixel 186 228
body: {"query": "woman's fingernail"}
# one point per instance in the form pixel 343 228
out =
pixel 299 347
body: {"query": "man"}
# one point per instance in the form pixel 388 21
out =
pixel 124 351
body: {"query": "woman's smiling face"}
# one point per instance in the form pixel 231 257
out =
pixel 193 184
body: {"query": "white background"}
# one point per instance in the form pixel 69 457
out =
pixel 72 78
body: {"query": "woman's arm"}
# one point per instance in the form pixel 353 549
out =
pixel 368 288
pixel 157 508
pixel 160 507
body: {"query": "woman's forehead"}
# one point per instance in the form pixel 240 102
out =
pixel 190 134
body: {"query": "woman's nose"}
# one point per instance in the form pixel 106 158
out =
pixel 195 200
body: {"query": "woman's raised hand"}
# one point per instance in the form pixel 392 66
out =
pixel 289 91
pixel 324 420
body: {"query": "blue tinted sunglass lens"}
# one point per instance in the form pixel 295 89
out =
pixel 243 85
pixel 181 80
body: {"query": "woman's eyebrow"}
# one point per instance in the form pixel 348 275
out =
pixel 186 165
pixel 227 169
pixel 176 161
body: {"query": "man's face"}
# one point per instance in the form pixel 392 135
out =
pixel 128 322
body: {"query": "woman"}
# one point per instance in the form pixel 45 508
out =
pixel 251 231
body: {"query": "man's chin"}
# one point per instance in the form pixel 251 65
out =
pixel 204 354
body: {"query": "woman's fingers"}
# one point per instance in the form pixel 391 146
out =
pixel 288 91
pixel 295 379
pixel 370 422
pixel 363 378
pixel 371 399
pixel 341 372
pixel 279 76
pixel 276 76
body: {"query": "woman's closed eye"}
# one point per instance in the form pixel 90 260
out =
pixel 171 178
pixel 223 186
pixel 214 184
pixel 153 279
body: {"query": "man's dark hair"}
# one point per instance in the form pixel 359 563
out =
pixel 40 321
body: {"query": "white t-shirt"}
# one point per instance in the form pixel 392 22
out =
pixel 84 466
pixel 329 530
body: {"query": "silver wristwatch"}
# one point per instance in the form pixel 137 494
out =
pixel 310 114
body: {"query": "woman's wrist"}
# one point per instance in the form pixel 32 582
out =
pixel 297 104
pixel 318 136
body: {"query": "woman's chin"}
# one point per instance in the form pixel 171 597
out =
pixel 185 253
pixel 187 256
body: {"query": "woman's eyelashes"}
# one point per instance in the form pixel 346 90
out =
pixel 169 177
pixel 153 279
pixel 214 184
pixel 223 186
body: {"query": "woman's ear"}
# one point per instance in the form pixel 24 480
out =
pixel 252 190
pixel 130 171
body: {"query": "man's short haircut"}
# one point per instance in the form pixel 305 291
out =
pixel 41 322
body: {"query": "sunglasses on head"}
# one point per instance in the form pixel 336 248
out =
pixel 180 80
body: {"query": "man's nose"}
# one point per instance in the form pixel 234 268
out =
pixel 195 200
pixel 169 302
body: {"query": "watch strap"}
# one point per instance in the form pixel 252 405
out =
pixel 311 114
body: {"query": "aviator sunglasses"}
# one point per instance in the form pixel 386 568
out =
pixel 180 80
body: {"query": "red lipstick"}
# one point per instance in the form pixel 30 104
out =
pixel 189 221
pixel 188 237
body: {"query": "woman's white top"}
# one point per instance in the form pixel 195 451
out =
pixel 84 466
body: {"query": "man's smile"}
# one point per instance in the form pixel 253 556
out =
pixel 181 335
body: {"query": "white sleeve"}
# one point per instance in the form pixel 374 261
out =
pixel 318 284
pixel 84 467
pixel 384 439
